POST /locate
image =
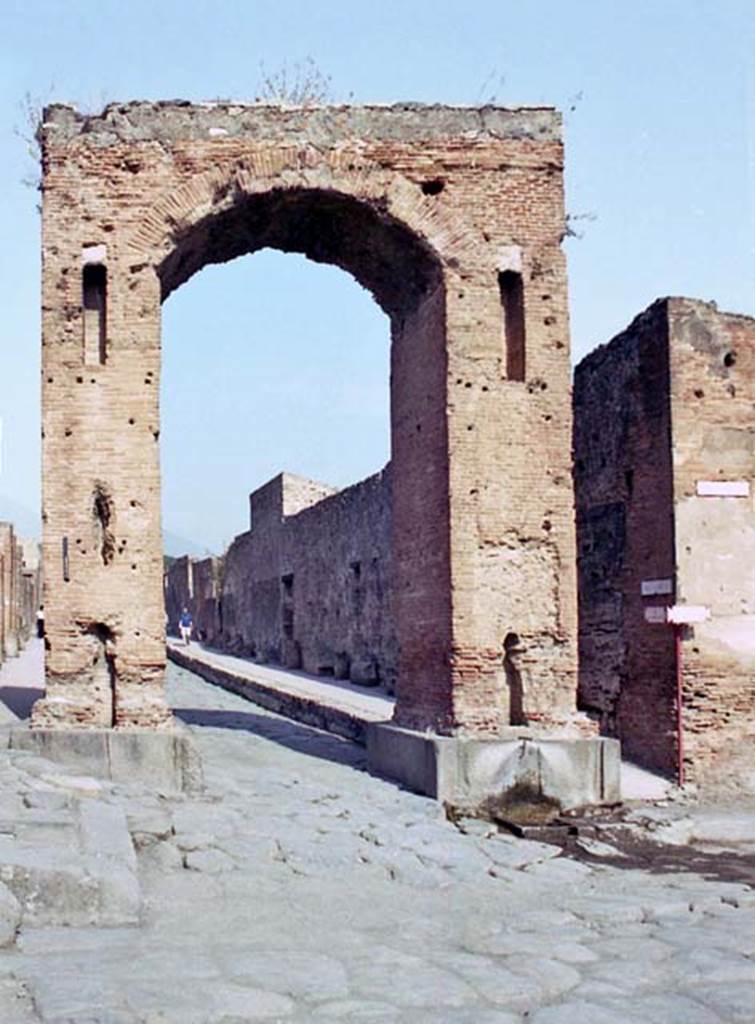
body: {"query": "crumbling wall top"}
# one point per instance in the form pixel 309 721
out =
pixel 178 120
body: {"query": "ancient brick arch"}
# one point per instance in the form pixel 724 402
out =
pixel 453 219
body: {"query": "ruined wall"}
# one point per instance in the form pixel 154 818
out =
pixel 453 219
pixel 8 587
pixel 20 590
pixel 309 586
pixel 623 486
pixel 337 615
pixel 665 405
pixel 194 584
pixel 712 401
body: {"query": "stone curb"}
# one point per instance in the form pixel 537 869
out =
pixel 301 709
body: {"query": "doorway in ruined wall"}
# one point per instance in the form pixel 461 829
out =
pixel 406 284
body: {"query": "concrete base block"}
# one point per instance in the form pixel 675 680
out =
pixel 163 760
pixel 521 776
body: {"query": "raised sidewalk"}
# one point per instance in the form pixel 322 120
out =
pixel 338 707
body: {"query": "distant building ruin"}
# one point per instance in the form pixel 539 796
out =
pixel 20 590
pixel 309 586
pixel 664 470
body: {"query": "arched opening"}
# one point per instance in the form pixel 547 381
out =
pixel 317 579
pixel 270 363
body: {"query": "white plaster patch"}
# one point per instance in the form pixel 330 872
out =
pixel 94 253
pixel 649 588
pixel 510 258
pixel 723 488
pixel 217 132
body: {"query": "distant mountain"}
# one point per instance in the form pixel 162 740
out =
pixel 175 546
pixel 28 524
pixel 25 522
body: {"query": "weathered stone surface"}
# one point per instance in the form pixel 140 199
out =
pixel 347 899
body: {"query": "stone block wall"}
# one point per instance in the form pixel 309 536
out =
pixel 660 413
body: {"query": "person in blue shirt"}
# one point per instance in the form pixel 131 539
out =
pixel 186 624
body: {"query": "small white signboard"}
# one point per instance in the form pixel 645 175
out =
pixel 723 488
pixel 656 613
pixel 650 588
pixel 685 614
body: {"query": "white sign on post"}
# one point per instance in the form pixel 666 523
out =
pixel 723 488
pixel 649 588
pixel 656 614
pixel 686 614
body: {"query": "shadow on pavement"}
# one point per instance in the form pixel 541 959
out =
pixel 293 735
pixel 19 699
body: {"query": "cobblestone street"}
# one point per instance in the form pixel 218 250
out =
pixel 298 888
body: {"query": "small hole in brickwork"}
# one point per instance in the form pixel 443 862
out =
pixel 419 428
pixel 547 525
pixel 68 432
pixel 470 426
pixel 133 565
pixel 49 380
pixel 131 421
pixel 79 380
pixel 433 187
pixel 731 390
pixel 485 387
pixel 699 393
pixel 468 384
pixel 730 359
pixel 103 511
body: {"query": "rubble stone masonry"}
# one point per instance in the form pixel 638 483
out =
pixel 308 586
pixel 664 474
pixel 453 219
pixel 19 590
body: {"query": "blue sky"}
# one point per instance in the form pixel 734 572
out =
pixel 273 362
